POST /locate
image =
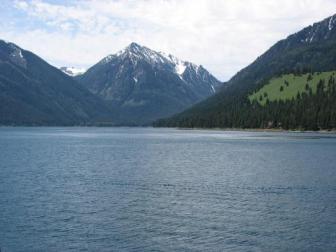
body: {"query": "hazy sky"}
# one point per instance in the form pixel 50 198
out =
pixel 222 35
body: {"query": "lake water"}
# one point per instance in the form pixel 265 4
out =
pixel 144 189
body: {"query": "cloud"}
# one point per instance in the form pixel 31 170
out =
pixel 222 35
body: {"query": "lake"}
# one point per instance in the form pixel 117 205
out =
pixel 145 189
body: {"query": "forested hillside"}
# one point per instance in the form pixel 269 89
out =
pixel 239 105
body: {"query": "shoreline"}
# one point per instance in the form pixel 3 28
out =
pixel 332 131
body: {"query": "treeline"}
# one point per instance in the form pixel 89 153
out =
pixel 307 111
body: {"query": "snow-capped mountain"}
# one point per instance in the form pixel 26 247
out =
pixel 167 62
pixel 72 71
pixel 145 85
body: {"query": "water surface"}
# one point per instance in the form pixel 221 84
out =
pixel 144 189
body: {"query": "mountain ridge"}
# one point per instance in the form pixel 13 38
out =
pixel 32 92
pixel 145 85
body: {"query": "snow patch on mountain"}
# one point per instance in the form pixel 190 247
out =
pixel 179 65
pixel 16 56
pixel 330 25
pixel 213 89
pixel 72 71
pixel 311 38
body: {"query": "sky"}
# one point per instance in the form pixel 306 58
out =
pixel 222 35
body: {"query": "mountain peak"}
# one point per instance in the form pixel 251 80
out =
pixel 184 70
pixel 134 47
pixel 143 84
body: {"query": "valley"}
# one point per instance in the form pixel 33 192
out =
pixel 290 86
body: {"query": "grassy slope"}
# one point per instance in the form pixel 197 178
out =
pixel 297 84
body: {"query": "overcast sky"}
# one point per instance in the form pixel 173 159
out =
pixel 221 35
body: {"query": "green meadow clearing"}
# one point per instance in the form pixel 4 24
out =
pixel 287 86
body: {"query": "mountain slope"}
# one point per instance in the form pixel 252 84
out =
pixel 142 85
pixel 313 49
pixel 32 92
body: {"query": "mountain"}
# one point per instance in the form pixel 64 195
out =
pixel 141 85
pixel 72 71
pixel 32 92
pixel 309 51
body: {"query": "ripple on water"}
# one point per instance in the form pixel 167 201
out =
pixel 143 189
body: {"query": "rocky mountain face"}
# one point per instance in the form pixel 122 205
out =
pixel 320 31
pixel 32 92
pixel 141 85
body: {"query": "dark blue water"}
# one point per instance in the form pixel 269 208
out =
pixel 143 189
